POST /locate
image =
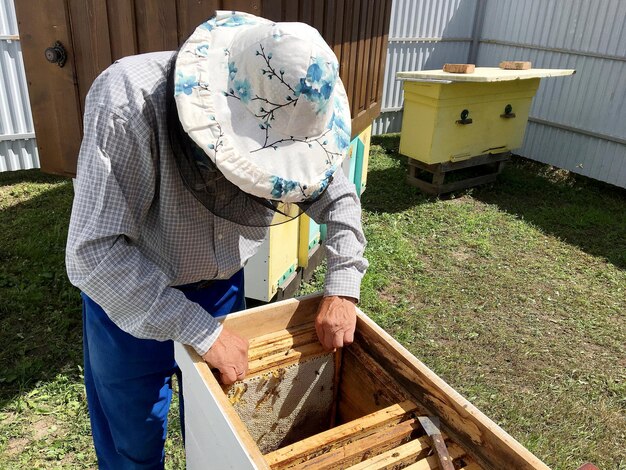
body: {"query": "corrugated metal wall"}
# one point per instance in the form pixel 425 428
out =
pixel 424 34
pixel 577 123
pixel 18 149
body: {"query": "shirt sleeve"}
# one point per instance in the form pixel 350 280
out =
pixel 340 209
pixel 114 190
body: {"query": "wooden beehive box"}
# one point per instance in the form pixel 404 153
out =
pixel 303 407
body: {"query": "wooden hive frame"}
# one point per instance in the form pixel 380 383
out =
pixel 380 391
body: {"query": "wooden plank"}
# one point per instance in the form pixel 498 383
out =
pixel 305 11
pixel 364 387
pixel 211 418
pixel 191 13
pixel 515 65
pixel 432 462
pixel 340 436
pixel 281 341
pixel 122 31
pixel 486 442
pixel 355 451
pixel 336 381
pixel 359 393
pixel 383 53
pixel 92 44
pixel 354 13
pixel 318 15
pixel 272 10
pixel 375 56
pixel 336 30
pixel 296 354
pixel 459 68
pixel 52 90
pixel 249 6
pixel 291 10
pixel 374 368
pixel 398 457
pixel 365 41
pixel 157 28
pixel 272 317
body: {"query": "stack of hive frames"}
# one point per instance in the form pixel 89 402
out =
pixel 289 391
pixel 296 392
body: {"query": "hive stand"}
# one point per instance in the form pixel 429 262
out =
pixel 489 164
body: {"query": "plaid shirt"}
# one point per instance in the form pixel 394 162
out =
pixel 136 231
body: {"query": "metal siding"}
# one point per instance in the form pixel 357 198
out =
pixel 423 34
pixel 16 152
pixel 427 18
pixel 578 25
pixel 589 37
pixel 18 155
pixel 388 122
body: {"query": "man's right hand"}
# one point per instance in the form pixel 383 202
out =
pixel 229 354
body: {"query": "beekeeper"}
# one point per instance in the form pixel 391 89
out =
pixel 187 159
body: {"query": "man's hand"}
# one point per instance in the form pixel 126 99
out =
pixel 336 321
pixel 229 354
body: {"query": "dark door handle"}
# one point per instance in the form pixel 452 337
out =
pixel 508 112
pixel 465 119
pixel 56 54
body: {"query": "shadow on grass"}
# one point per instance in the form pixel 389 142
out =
pixel 387 190
pixel 28 176
pixel 578 210
pixel 40 312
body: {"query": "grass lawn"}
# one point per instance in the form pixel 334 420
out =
pixel 515 293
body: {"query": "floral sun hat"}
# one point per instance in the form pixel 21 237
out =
pixel 265 103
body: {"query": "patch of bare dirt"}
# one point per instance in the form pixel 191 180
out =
pixel 43 427
pixel 16 446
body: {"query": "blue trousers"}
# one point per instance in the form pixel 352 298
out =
pixel 129 380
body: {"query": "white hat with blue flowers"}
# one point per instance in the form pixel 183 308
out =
pixel 265 103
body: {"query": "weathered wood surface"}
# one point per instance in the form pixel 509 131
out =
pixel 283 359
pixel 270 318
pixel 95 33
pixel 489 444
pixel 459 68
pixel 364 386
pixel 54 98
pixel 431 463
pixel 480 442
pixel 398 457
pixel 354 451
pixel 515 65
pixel 281 341
pixel 341 435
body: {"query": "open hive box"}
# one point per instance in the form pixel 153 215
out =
pixel 358 407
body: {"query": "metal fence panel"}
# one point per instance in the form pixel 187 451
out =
pixel 18 149
pixel 588 26
pixel 576 123
pixel 428 19
pixel 423 34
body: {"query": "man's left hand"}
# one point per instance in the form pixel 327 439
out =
pixel 336 321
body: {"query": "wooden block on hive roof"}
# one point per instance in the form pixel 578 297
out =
pixel 459 68
pixel 515 65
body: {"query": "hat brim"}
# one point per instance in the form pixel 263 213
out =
pixel 257 158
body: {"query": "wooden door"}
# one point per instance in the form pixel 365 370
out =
pixel 95 33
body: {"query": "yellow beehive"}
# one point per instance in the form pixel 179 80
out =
pixel 275 261
pixel 453 117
